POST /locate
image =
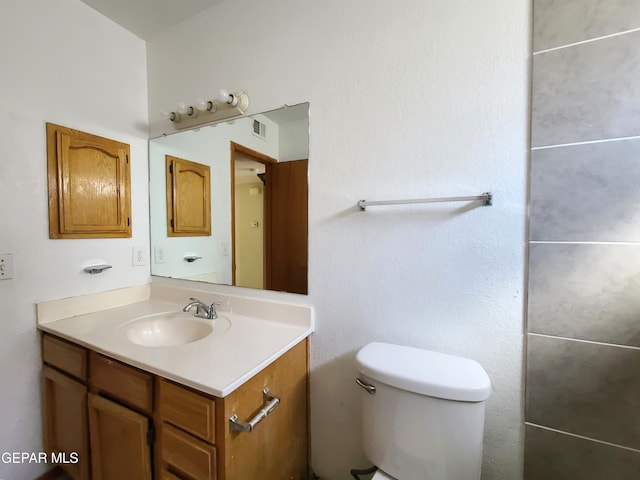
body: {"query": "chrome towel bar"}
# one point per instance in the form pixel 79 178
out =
pixel 271 402
pixel 486 197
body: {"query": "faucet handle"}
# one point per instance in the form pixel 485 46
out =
pixel 212 314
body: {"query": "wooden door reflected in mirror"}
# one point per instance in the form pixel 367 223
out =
pixel 269 217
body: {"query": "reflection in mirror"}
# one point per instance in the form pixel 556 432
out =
pixel 257 206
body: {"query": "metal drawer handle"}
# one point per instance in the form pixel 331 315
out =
pixel 368 387
pixel 271 402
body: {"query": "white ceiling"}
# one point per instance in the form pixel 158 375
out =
pixel 146 18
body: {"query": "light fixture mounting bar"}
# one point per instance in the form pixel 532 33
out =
pixel 222 110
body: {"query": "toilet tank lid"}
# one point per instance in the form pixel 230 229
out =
pixel 425 372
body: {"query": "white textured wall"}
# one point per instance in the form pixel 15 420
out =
pixel 294 140
pixel 63 63
pixel 424 99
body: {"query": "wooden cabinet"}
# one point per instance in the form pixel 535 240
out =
pixel 92 436
pixel 89 185
pixel 65 428
pixel 278 446
pixel 188 198
pixel 129 417
pixel 196 428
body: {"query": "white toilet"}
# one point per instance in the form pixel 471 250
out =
pixel 422 413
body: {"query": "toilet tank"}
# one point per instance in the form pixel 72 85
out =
pixel 425 420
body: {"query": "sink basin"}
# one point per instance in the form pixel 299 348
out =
pixel 173 328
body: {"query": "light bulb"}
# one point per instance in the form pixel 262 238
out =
pixel 206 105
pixel 182 108
pixel 225 96
pixel 228 98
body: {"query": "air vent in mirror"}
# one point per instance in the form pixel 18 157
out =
pixel 259 129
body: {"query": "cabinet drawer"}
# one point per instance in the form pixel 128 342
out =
pixel 186 409
pixel 65 356
pixel 127 384
pixel 186 455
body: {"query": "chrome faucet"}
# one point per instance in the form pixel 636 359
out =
pixel 202 309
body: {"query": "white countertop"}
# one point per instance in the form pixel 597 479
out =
pixel 216 364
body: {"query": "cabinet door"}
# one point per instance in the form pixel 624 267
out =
pixel 119 441
pixel 89 185
pixel 65 422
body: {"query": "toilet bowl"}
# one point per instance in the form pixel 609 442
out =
pixel 422 413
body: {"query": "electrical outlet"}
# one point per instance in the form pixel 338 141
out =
pixel 159 255
pixel 139 257
pixel 6 266
pixel 224 249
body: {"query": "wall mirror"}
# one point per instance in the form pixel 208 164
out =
pixel 258 201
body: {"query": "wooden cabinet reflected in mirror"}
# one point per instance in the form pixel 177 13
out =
pixel 258 205
pixel 188 198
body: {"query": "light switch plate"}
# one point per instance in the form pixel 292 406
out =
pixel 159 254
pixel 6 266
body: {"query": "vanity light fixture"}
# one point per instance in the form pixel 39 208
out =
pixel 226 105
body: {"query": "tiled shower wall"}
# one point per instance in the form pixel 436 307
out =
pixel 583 343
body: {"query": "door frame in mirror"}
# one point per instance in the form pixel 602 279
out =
pixel 238 149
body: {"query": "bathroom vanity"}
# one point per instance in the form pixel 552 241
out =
pixel 231 405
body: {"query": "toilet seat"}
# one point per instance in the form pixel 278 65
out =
pixel 380 475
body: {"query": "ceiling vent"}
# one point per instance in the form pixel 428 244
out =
pixel 259 129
